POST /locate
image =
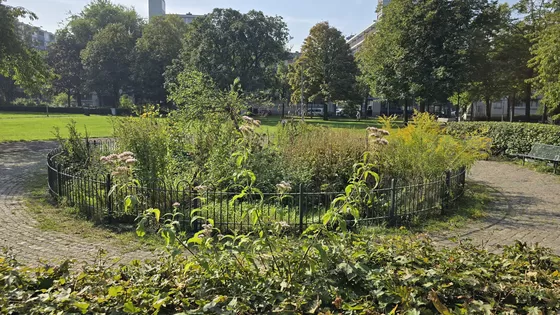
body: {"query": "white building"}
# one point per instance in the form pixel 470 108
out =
pixel 35 36
pixel 157 8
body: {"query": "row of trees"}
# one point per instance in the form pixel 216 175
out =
pixel 426 52
pixel 464 51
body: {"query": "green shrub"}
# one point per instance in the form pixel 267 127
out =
pixel 20 101
pixel 423 151
pixel 317 157
pixel 352 274
pixel 61 100
pixel 508 138
pixel 148 138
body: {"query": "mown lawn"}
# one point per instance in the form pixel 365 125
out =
pixel 35 126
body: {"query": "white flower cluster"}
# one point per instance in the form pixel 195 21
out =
pixel 121 162
pixel 284 187
pixel 378 134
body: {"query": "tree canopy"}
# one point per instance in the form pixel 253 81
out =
pixel 227 45
pixel 18 61
pixel 329 68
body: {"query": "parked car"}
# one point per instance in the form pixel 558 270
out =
pixel 315 112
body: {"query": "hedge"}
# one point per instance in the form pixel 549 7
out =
pixel 63 110
pixel 508 138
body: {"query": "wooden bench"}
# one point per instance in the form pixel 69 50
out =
pixel 543 152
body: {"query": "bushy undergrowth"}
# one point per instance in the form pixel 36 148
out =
pixel 422 151
pixel 351 274
pixel 508 138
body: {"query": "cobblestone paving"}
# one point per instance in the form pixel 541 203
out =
pixel 18 229
pixel 526 207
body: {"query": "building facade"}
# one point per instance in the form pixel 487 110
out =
pixel 157 8
pixel 35 36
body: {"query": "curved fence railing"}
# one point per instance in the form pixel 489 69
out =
pixel 394 205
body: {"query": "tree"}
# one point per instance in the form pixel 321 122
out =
pixel 227 44
pixel 18 61
pixel 107 60
pixel 63 56
pixel 547 65
pixel 420 50
pixel 282 87
pixel 532 22
pixel 155 50
pixel 97 22
pixel 328 65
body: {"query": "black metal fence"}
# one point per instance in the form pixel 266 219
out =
pixel 394 205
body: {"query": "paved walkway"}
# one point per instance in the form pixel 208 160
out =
pixel 18 230
pixel 525 207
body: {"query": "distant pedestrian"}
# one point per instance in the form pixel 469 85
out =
pixel 358 115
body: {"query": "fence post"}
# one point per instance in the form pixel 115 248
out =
pixel 59 180
pixel 300 208
pixel 109 204
pixel 446 192
pixel 393 205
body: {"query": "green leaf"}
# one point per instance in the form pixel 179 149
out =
pixel 130 308
pixel 322 253
pixel 83 306
pixel 195 239
pixel 115 291
pixel 141 228
pixel 156 213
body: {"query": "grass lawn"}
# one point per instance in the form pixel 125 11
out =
pixel 34 126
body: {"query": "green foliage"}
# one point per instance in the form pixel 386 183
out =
pixel 546 65
pixel 127 102
pixel 160 43
pixel 423 151
pixel 148 138
pixel 63 56
pixel 337 273
pixel 18 61
pixel 507 138
pixel 61 99
pixel 20 101
pixel 76 150
pixel 422 50
pixel 329 69
pixel 107 61
pixel 214 46
pixel 319 158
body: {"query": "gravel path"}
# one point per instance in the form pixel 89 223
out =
pixel 525 207
pixel 18 229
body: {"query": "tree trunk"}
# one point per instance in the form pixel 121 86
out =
pixel 422 108
pixel 325 113
pixel 69 96
pixel 283 107
pixel 488 109
pixel 544 114
pixel 406 111
pixel 528 103
pixel 79 99
pixel 472 111
pixel 513 101
pixel 508 116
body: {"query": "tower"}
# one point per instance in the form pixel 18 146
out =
pixel 156 8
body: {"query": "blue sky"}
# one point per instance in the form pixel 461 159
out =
pixel 349 16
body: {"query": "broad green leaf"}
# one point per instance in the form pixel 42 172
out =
pixel 83 306
pixel 115 291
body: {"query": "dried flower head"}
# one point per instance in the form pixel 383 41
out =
pixel 247 119
pixel 130 161
pixel 246 129
pixel 284 186
pixel 176 205
pixel 201 188
pixel 382 141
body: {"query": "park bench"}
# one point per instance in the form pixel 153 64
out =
pixel 543 152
